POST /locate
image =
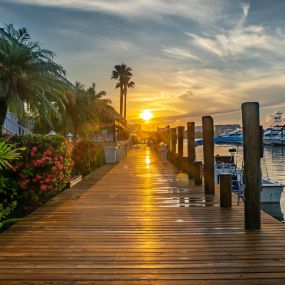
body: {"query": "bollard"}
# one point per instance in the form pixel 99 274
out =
pixel 173 139
pixel 198 172
pixel 208 150
pixel 180 141
pixel 180 131
pixel 252 170
pixel 168 138
pixel 226 190
pixel 191 141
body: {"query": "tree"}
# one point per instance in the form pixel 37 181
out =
pixel 123 74
pixel 29 78
pixel 84 108
pixel 129 84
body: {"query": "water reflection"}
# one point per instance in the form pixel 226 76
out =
pixel 147 159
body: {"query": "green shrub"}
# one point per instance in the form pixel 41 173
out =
pixel 87 156
pixel 43 169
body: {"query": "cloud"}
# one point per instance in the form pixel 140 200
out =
pixel 197 10
pixel 180 53
pixel 232 51
pixel 241 39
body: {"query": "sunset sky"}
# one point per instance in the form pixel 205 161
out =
pixel 189 57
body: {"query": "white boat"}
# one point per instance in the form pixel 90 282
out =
pixel 270 192
pixel 235 136
pixel 270 135
pixel 279 139
pixel 275 134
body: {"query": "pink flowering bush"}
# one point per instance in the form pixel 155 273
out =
pixel 44 168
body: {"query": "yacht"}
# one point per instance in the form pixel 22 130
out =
pixel 270 192
pixel 270 135
pixel 231 137
pixel 275 134
pixel 279 139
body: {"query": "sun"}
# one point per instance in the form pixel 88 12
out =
pixel 146 115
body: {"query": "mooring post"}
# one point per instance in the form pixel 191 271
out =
pixel 173 138
pixel 252 145
pixel 191 142
pixel 180 163
pixel 226 190
pixel 168 138
pixel 208 151
pixel 180 141
pixel 198 172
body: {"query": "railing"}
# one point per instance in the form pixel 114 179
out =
pixel 12 127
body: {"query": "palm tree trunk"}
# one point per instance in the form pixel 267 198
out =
pixel 125 110
pixel 3 112
pixel 121 101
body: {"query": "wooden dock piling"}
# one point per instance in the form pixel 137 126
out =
pixel 226 190
pixel 252 169
pixel 173 139
pixel 197 172
pixel 180 131
pixel 168 138
pixel 208 151
pixel 191 142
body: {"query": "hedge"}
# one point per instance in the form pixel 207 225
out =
pixel 87 156
pixel 43 170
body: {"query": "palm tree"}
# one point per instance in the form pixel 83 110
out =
pixel 28 76
pixel 8 153
pixel 128 84
pixel 123 74
pixel 84 108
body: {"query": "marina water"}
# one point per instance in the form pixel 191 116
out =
pixel 272 165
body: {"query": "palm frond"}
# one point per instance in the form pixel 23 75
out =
pixel 7 154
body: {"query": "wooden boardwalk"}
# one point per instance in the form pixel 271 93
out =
pixel 133 224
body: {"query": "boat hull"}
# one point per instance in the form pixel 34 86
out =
pixel 271 192
pixel 224 139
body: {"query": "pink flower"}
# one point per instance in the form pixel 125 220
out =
pixel 53 169
pixel 48 152
pixel 34 149
pixel 43 187
pixel 22 185
pixel 47 180
pixel 38 177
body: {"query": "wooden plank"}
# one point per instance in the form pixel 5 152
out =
pixel 134 223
